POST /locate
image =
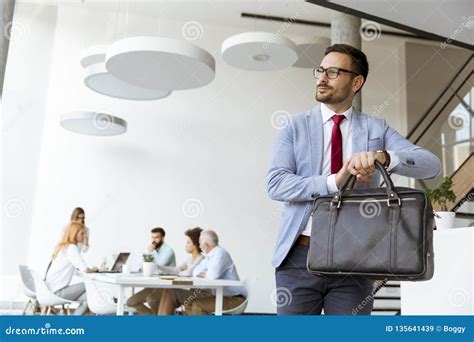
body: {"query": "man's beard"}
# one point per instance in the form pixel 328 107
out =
pixel 158 245
pixel 331 97
pixel 324 98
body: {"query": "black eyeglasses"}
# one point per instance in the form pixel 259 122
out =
pixel 331 72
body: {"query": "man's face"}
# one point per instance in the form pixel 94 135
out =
pixel 156 238
pixel 334 91
pixel 203 245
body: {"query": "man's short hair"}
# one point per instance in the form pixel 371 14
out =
pixel 159 230
pixel 360 64
pixel 210 237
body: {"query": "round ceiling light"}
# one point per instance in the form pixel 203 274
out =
pixel 311 52
pixel 92 123
pixel 93 54
pixel 99 80
pixel 160 63
pixel 259 51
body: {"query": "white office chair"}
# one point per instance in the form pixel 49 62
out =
pixel 28 289
pixel 47 298
pixel 249 284
pixel 100 299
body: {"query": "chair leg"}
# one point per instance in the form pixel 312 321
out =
pixel 43 310
pixel 48 311
pixel 68 310
pixel 26 307
pixel 35 306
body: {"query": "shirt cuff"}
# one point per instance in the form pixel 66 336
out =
pixel 331 183
pixel 394 160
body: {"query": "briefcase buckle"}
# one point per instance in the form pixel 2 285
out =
pixel 338 199
pixel 391 199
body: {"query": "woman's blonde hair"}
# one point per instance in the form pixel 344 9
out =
pixel 76 212
pixel 69 237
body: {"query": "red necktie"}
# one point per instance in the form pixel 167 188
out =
pixel 336 144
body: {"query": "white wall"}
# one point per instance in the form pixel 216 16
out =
pixel 211 144
pixel 23 111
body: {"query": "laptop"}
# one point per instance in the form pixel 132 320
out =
pixel 119 262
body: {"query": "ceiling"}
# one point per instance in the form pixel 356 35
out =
pixel 439 19
pixel 218 12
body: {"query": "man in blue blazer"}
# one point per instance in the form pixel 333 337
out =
pixel 312 156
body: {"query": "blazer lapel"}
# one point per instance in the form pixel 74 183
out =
pixel 359 132
pixel 315 137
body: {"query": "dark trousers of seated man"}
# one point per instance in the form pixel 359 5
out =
pixel 202 301
pixel 302 293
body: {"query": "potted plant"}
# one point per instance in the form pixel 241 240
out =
pixel 148 265
pixel 440 197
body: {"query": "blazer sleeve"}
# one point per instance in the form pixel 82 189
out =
pixel 283 183
pixel 415 161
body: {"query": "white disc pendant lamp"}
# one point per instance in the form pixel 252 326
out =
pixel 98 79
pixel 311 52
pixel 92 123
pixel 160 63
pixel 259 51
pixel 93 54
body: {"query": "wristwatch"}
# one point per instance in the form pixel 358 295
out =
pixel 387 157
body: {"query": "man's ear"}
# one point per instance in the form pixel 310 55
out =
pixel 357 83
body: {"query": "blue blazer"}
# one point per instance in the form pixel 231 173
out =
pixel 294 176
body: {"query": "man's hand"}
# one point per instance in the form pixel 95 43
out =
pixel 151 248
pixel 344 172
pixel 362 165
pixel 202 274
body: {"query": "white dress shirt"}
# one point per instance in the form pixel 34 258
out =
pixel 346 133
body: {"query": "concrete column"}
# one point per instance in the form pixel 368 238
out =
pixel 6 17
pixel 345 30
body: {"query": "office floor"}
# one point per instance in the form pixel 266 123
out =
pixel 11 308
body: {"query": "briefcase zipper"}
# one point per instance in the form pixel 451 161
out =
pixel 363 200
pixel 377 200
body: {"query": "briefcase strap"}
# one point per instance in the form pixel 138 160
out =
pixel 394 215
pixel 392 196
pixel 332 230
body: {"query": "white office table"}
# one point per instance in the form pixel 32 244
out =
pixel 450 291
pixel 138 280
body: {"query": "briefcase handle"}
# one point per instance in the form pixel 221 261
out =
pixel 392 196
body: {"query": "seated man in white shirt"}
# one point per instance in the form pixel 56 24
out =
pixel 217 264
pixel 163 255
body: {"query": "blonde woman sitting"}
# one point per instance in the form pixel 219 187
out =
pixel 66 261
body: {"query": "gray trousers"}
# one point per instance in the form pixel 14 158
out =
pixel 302 293
pixel 76 292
